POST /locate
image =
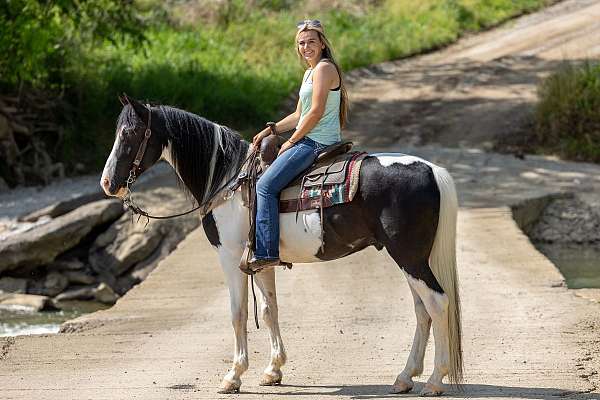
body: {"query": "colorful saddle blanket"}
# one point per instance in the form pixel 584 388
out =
pixel 327 183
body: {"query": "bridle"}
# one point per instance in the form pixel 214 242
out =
pixel 206 205
pixel 141 151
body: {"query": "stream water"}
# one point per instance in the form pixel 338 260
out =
pixel 580 265
pixel 15 321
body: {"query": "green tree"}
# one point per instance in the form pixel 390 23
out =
pixel 39 39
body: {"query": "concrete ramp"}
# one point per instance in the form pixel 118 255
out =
pixel 347 325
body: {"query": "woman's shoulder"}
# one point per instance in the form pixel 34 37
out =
pixel 325 67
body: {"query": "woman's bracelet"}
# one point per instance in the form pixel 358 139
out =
pixel 291 141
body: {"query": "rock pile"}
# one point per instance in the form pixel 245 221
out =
pixel 568 221
pixel 91 252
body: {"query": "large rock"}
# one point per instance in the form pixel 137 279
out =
pixel 125 282
pixel 102 293
pixel 80 293
pixel 62 207
pixel 126 244
pixel 43 243
pixel 49 285
pixel 36 303
pixel 142 269
pixel 123 245
pixel 13 285
pixel 55 283
pixel 79 277
pixel 70 264
pixel 567 221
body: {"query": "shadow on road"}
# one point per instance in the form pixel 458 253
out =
pixel 468 391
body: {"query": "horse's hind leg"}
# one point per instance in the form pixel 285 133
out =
pixel 414 364
pixel 265 280
pixel 436 304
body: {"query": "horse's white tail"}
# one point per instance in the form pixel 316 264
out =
pixel 442 261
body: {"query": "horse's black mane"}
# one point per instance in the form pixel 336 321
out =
pixel 203 153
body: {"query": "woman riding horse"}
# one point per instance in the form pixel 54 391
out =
pixel 404 204
pixel 319 116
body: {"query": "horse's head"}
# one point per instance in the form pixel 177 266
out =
pixel 137 147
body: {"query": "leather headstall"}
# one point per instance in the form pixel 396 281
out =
pixel 141 150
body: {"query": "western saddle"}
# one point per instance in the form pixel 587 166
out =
pixel 330 168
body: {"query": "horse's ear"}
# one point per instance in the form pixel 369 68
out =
pixel 123 99
pixel 140 109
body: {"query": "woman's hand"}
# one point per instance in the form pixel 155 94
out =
pixel 259 137
pixel 285 146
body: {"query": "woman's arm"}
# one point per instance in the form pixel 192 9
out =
pixel 324 77
pixel 286 124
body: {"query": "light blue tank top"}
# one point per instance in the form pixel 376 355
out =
pixel 328 130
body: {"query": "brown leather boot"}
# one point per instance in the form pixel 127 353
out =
pixel 250 265
pixel 255 265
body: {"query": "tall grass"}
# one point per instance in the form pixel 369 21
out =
pixel 568 112
pixel 238 69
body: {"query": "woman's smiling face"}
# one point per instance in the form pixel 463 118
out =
pixel 310 46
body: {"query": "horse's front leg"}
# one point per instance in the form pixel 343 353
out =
pixel 238 297
pixel 265 281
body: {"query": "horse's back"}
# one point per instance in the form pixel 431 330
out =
pixel 399 177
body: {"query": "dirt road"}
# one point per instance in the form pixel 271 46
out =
pixel 479 89
pixel 348 324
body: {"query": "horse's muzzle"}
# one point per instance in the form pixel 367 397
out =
pixel 110 189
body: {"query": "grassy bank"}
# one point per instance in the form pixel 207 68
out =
pixel 238 65
pixel 567 117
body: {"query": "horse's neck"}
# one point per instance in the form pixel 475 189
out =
pixel 201 194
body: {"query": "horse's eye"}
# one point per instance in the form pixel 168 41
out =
pixel 125 132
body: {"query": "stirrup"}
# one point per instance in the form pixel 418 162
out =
pixel 256 265
pixel 250 265
pixel 246 255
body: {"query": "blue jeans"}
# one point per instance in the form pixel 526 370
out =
pixel 283 170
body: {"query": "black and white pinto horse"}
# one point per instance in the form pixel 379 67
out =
pixel 404 204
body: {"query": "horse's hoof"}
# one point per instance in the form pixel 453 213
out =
pixel 402 386
pixel 431 390
pixel 271 379
pixel 228 387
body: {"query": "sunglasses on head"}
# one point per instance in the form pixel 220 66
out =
pixel 309 22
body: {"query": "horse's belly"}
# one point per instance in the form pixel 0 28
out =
pixel 299 241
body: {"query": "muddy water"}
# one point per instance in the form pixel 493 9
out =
pixel 580 265
pixel 15 321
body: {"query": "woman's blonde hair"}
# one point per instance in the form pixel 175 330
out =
pixel 328 54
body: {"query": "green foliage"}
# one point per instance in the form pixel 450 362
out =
pixel 235 69
pixel 41 40
pixel 473 15
pixel 568 112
